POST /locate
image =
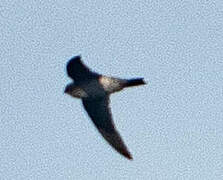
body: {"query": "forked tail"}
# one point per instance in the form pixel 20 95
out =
pixel 135 82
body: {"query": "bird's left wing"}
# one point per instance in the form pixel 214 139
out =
pixel 100 113
pixel 78 71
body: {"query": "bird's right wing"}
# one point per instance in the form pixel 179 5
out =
pixel 77 70
pixel 99 111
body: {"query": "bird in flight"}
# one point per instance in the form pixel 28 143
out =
pixel 94 90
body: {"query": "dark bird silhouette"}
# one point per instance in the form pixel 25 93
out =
pixel 94 89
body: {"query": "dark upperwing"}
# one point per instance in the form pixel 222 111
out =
pixel 78 71
pixel 100 113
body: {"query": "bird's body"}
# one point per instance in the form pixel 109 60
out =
pixel 94 90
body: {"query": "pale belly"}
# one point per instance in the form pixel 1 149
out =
pixel 111 85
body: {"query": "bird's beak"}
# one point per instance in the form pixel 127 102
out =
pixel 66 90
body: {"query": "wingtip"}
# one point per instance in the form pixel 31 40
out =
pixel 72 61
pixel 126 154
pixel 76 57
pixel 129 156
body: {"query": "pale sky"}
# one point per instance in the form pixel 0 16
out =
pixel 173 126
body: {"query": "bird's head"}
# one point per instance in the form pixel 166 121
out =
pixel 68 88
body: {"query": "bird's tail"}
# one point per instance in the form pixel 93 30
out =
pixel 135 82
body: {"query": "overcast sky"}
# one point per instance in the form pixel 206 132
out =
pixel 173 126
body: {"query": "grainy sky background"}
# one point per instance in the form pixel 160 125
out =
pixel 173 126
